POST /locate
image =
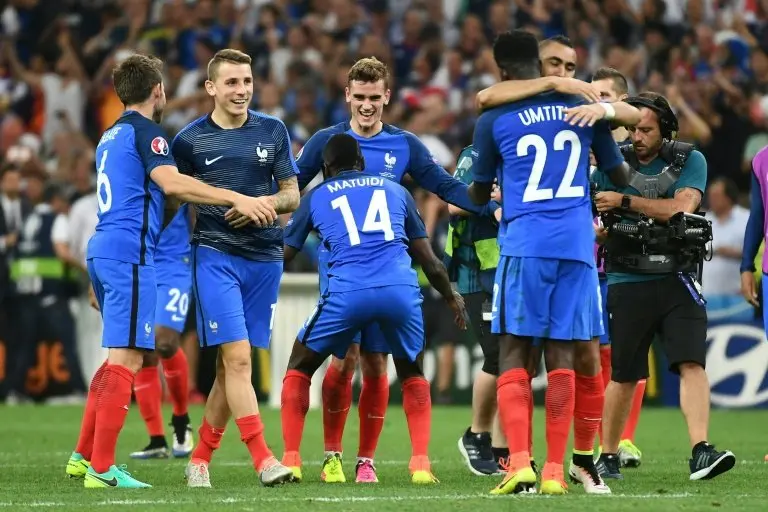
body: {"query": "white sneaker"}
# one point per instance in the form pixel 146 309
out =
pixel 591 480
pixel 183 449
pixel 197 475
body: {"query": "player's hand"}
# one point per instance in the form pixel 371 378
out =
pixel 605 201
pixel 236 220
pixel 749 288
pixel 257 209
pixel 496 193
pixel 459 310
pixel 578 88
pixel 92 298
pixel 584 115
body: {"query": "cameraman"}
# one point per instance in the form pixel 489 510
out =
pixel 650 296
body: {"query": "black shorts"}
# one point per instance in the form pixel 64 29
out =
pixel 439 327
pixel 481 331
pixel 640 311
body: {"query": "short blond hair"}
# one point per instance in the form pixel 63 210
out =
pixel 369 69
pixel 229 55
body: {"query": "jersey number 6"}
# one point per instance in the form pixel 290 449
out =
pixel 376 219
pixel 102 182
pixel 566 188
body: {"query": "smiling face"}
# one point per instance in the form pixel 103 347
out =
pixel 366 103
pixel 557 60
pixel 231 88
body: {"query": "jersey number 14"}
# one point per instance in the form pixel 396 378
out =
pixel 376 219
pixel 566 188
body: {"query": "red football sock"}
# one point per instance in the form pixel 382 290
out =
pixel 88 426
pixel 210 440
pixel 372 406
pixel 513 394
pixel 176 372
pixel 252 434
pixel 605 364
pixel 112 401
pixel 337 399
pixel 530 417
pixel 294 404
pixel 148 392
pixel 634 412
pixel 588 412
pixel 417 404
pixel 559 403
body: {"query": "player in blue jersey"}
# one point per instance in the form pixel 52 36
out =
pixel 392 152
pixel 558 59
pixel 367 223
pixel 135 170
pixel 174 281
pixel 236 266
pixel 546 283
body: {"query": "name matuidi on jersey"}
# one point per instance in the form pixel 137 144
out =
pixel 367 181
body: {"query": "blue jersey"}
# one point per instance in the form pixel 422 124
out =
pixel 173 246
pixel 366 223
pixel 542 163
pixel 391 154
pixel 245 160
pixel 130 203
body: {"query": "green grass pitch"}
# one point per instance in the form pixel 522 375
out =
pixel 35 443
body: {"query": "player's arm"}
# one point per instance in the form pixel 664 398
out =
pixel 422 253
pixel 430 175
pixel 309 160
pixel 463 173
pixel 297 229
pixel 285 171
pixel 753 237
pixel 618 113
pixel 510 91
pixel 488 158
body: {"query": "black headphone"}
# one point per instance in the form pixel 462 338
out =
pixel 668 125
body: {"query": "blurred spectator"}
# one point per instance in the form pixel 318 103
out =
pixel 729 221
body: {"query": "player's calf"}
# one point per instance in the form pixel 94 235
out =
pixel 176 373
pixel 337 397
pixel 148 390
pixel 372 408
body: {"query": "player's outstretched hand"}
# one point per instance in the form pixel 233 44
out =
pixel 578 88
pixel 584 115
pixel 749 288
pixel 459 310
pixel 258 209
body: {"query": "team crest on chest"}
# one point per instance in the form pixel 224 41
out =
pixel 262 153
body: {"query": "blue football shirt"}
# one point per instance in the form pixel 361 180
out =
pixel 173 246
pixel 542 164
pixel 366 223
pixel 246 160
pixel 130 203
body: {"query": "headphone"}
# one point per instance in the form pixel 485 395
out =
pixel 668 125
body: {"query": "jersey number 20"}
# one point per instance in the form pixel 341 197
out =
pixel 566 188
pixel 102 183
pixel 376 219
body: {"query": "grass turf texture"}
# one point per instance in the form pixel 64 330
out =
pixel 36 443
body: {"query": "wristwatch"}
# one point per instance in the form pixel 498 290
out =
pixel 626 201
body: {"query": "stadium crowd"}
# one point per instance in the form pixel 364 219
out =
pixel 710 58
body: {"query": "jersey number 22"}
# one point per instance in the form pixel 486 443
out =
pixel 566 188
pixel 376 219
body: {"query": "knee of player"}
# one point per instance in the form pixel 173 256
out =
pixel 587 359
pixel 132 359
pixel 237 360
pixel 558 355
pixel 690 368
pixel 407 369
pixel 150 359
pixel 373 364
pixel 304 360
pixel 167 345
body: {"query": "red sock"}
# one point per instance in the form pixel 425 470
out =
pixel 148 391
pixel 634 412
pixel 252 434
pixel 176 372
pixel 88 426
pixel 588 412
pixel 417 404
pixel 559 403
pixel 372 406
pixel 210 440
pixel 513 394
pixel 530 417
pixel 294 404
pixel 605 364
pixel 337 399
pixel 112 401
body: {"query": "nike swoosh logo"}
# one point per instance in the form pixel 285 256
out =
pixel 111 483
pixel 209 162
